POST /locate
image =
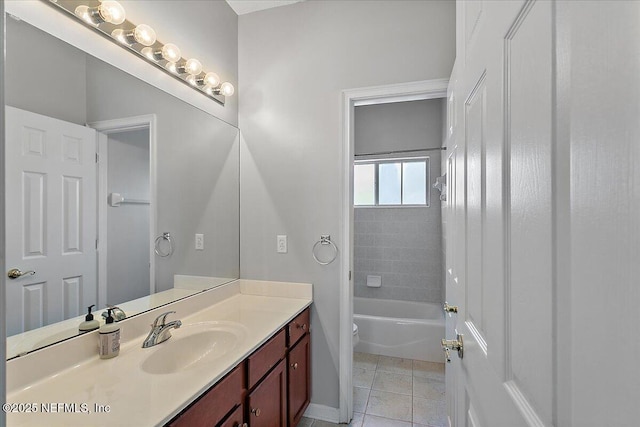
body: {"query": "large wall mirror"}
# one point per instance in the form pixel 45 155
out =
pixel 151 219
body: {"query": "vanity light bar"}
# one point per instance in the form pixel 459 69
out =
pixel 108 18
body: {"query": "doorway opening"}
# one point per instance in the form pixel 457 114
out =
pixel 391 177
pixel 126 208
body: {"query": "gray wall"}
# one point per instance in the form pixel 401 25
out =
pixel 128 225
pixel 294 61
pixel 57 89
pixel 207 30
pixel 398 126
pixel 401 245
pixel 197 181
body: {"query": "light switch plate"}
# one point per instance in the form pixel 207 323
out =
pixel 281 242
pixel 199 242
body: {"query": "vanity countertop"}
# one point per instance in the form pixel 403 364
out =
pixel 79 394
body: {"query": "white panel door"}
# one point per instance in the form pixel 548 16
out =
pixel 50 219
pixel 500 240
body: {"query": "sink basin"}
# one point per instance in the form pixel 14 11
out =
pixel 193 346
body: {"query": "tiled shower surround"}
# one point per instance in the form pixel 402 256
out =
pixel 404 247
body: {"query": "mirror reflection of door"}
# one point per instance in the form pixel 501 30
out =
pixel 128 234
pixel 50 219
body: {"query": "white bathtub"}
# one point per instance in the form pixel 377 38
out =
pixel 407 329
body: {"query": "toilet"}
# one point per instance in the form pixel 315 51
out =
pixel 356 337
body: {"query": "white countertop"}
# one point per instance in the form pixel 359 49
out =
pixel 137 398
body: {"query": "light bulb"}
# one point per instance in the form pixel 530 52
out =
pixel 108 11
pixel 111 12
pixel 119 35
pixel 144 35
pixel 171 66
pixel 211 79
pixel 192 80
pixel 171 53
pixel 149 53
pixel 193 67
pixel 226 89
pixel 82 12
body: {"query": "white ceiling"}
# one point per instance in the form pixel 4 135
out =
pixel 247 6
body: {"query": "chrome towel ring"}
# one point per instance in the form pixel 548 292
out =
pixel 325 239
pixel 165 236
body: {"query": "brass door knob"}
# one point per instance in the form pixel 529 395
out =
pixel 450 308
pixel 294 365
pixel 14 273
pixel 457 344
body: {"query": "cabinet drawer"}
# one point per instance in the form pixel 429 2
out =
pixel 266 357
pixel 298 327
pixel 216 403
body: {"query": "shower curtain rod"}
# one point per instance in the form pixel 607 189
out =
pixel 402 151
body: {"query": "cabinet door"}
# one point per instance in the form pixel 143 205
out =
pixel 215 404
pixel 236 419
pixel 268 401
pixel 299 370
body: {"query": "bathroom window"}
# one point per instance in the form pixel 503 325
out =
pixel 391 182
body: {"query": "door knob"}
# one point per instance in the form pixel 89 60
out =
pixel 457 344
pixel 450 308
pixel 256 412
pixel 294 365
pixel 14 273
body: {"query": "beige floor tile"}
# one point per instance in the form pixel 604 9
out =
pixel 395 365
pixel 429 412
pixel 428 388
pixel 363 377
pixel 320 423
pixel 389 405
pixel 428 369
pixel 360 398
pixel 305 422
pixel 358 418
pixel 373 421
pixel 365 360
pixel 394 383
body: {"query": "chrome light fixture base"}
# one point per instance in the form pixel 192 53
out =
pixel 124 34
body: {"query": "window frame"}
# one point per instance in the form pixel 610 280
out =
pixel 377 161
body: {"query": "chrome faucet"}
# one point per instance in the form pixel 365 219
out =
pixel 117 313
pixel 160 331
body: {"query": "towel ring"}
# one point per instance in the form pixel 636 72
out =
pixel 325 239
pixel 165 236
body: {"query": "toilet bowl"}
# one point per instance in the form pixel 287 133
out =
pixel 356 337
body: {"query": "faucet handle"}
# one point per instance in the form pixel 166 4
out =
pixel 163 316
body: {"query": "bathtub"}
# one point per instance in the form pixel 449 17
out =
pixel 406 329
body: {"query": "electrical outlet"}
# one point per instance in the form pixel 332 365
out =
pixel 200 242
pixel 281 241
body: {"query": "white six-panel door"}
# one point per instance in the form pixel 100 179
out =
pixel 50 219
pixel 499 217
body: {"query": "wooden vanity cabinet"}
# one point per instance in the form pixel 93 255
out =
pixel 213 406
pixel 267 403
pixel 299 379
pixel 270 388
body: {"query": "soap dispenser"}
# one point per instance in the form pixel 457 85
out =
pixel 109 336
pixel 89 324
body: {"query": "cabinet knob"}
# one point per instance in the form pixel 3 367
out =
pixel 294 365
pixel 303 326
pixel 256 412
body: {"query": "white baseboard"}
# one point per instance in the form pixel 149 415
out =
pixel 322 412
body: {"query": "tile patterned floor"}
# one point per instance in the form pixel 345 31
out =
pixel 394 392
